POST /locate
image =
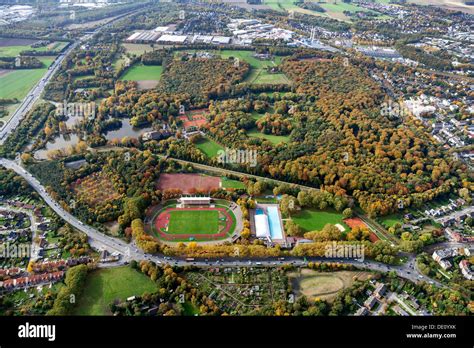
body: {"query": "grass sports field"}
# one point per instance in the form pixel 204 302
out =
pixel 140 72
pixel 173 224
pixel 315 220
pixel 208 147
pixel 103 286
pixel 17 83
pixel 193 222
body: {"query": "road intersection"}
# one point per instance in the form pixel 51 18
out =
pixel 100 241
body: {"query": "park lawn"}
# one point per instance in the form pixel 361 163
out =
pixel 17 83
pixel 390 220
pixel 103 286
pixel 229 183
pixel 258 73
pixel 209 147
pixel 315 220
pixel 140 72
pixel 265 77
pixel 193 222
pixel 274 139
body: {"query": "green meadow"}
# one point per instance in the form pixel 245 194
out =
pixel 140 72
pixel 17 83
pixel 103 286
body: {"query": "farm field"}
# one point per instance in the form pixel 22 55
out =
pixel 103 286
pixel 140 72
pixel 14 50
pixel 335 11
pixel 323 285
pixel 193 222
pixel 455 5
pixel 20 81
pixel 209 147
pixel 315 220
pixel 137 49
pixel 274 139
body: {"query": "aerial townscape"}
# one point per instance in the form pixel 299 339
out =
pixel 236 158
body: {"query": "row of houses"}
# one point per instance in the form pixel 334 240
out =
pixel 29 281
pixel 10 272
pixel 446 209
pixel 49 266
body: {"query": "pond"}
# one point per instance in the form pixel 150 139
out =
pixel 61 142
pixel 126 130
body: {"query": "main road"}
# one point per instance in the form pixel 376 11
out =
pixel 129 252
pixel 35 93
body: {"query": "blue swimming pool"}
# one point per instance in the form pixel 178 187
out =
pixel 274 222
pixel 259 212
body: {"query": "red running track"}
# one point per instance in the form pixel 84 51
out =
pixel 162 220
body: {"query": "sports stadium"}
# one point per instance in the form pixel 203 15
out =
pixel 196 218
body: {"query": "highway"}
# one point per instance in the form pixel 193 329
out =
pixel 98 241
pixel 33 95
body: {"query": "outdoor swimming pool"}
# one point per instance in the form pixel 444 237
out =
pixel 274 222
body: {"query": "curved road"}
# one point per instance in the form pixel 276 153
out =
pixel 130 252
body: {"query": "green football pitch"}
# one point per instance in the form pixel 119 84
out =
pixel 193 222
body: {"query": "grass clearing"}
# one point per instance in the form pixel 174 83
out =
pixel 103 286
pixel 137 49
pixel 140 72
pixel 193 222
pixel 315 220
pixel 274 139
pixel 390 220
pixel 233 184
pixel 209 147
